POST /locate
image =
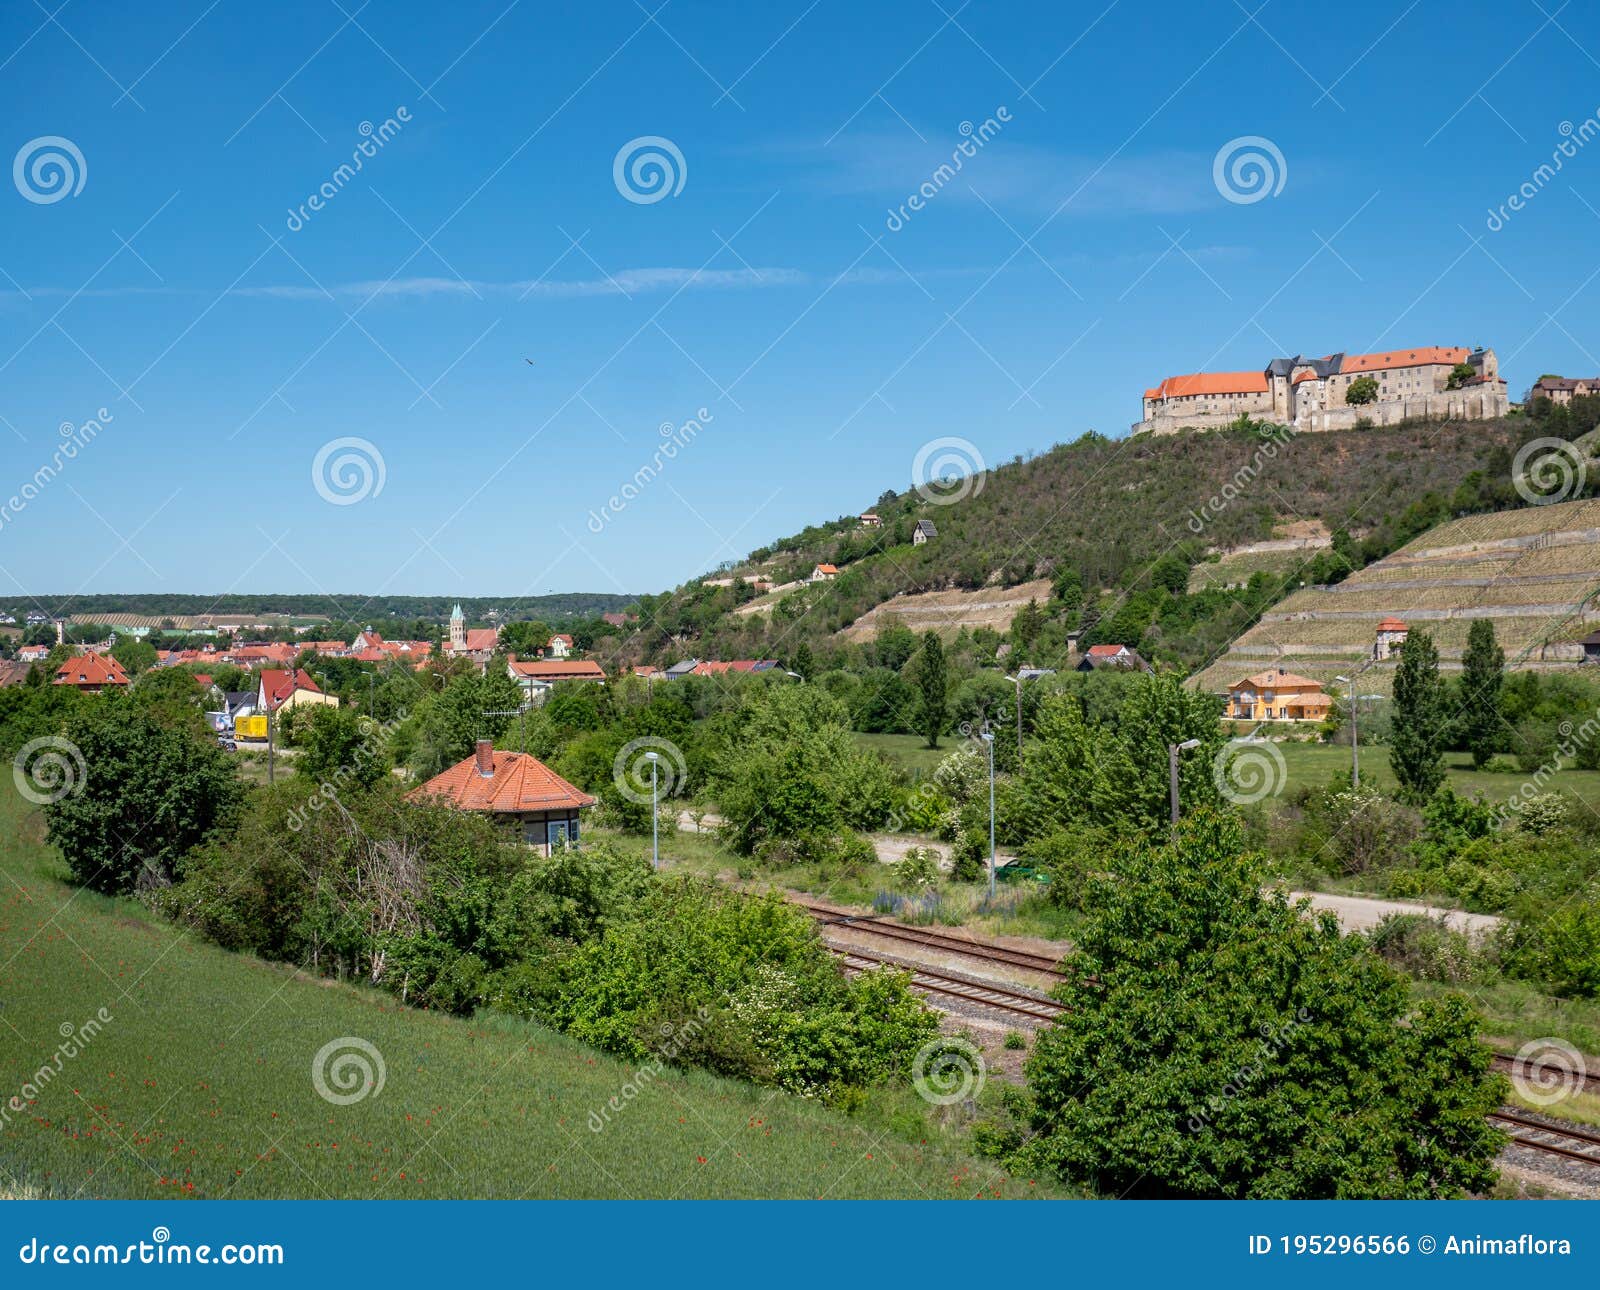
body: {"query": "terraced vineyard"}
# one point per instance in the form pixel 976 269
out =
pixel 1534 572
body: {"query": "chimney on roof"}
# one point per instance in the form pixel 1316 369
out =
pixel 484 755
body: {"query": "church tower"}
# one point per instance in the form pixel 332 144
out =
pixel 458 629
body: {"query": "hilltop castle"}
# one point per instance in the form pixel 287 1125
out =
pixel 1309 393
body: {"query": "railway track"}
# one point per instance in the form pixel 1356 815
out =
pixel 1506 1064
pixel 1567 1141
pixel 1015 1003
pixel 942 941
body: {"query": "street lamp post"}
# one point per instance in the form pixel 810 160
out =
pixel 988 738
pixel 1354 682
pixel 1172 774
pixel 655 798
pixel 1017 681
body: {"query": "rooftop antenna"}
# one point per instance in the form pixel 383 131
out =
pixel 521 714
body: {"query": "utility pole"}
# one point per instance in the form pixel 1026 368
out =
pixel 655 804
pixel 1354 682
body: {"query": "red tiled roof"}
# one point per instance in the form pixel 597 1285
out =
pixel 278 684
pixel 520 782
pixel 574 669
pixel 827 568
pixel 1105 651
pixel 562 637
pixel 1392 625
pixel 1273 679
pixel 1403 358
pixel 1210 383
pixel 482 639
pixel 91 669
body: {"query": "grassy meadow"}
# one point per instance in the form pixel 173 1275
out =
pixel 200 1084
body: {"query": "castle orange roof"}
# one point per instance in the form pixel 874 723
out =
pixel 1210 383
pixel 1403 358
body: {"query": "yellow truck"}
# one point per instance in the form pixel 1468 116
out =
pixel 250 728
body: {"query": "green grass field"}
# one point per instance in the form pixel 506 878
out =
pixel 201 1084
pixel 1313 764
pixel 910 751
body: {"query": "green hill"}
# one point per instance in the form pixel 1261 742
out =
pixel 1123 531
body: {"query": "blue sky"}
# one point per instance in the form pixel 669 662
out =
pixel 1084 251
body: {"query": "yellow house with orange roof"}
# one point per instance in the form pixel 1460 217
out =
pixel 1277 695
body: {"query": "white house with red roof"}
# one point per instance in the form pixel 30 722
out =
pixel 1113 656
pixel 1391 636
pixel 281 689
pixel 559 646
pixel 91 672
pixel 516 790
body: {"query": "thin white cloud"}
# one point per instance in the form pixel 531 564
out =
pixel 624 282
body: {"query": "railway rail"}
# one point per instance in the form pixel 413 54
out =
pixel 1016 1003
pixel 1507 1064
pixel 942 941
pixel 1567 1141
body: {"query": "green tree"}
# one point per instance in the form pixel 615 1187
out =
pixel 931 677
pixel 149 792
pixel 1420 722
pixel 1026 625
pixel 341 749
pixel 451 721
pixel 134 654
pixel 1459 374
pixel 803 663
pixel 1221 1043
pixel 1363 390
pixel 1482 678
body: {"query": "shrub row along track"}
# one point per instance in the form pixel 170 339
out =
pixel 1014 1003
pixel 941 941
pixel 1566 1141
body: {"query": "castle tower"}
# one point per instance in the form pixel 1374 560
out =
pixel 458 629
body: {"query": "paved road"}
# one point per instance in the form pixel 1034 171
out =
pixel 1360 913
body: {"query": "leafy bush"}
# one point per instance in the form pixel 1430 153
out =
pixel 917 869
pixel 1561 950
pixel 1221 1043
pixel 1428 948
pixel 149 792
